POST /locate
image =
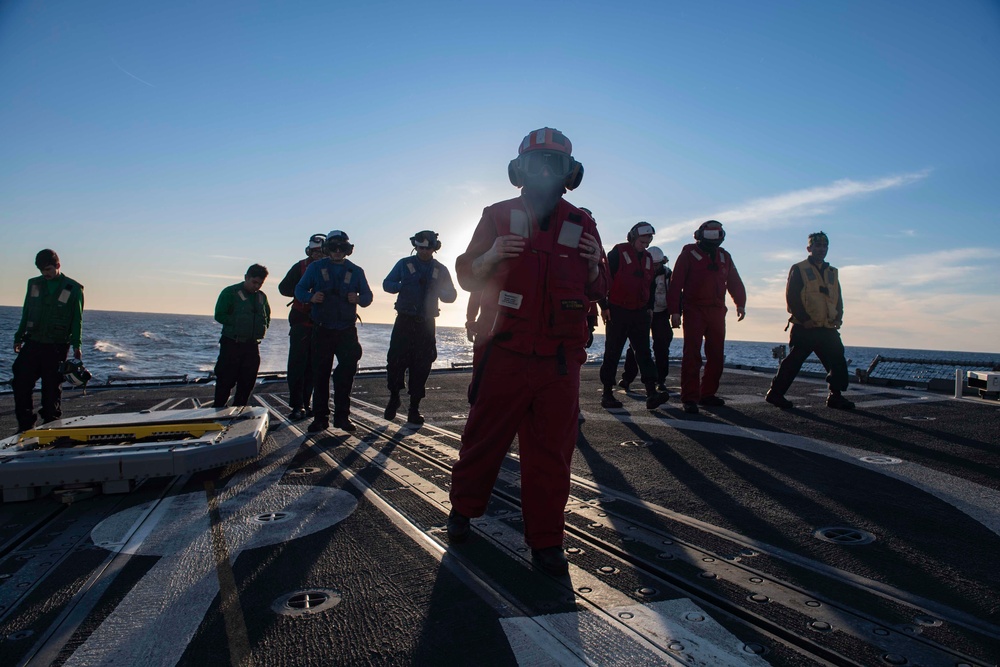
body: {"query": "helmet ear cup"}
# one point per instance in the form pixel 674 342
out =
pixel 574 176
pixel 515 174
pixel 425 235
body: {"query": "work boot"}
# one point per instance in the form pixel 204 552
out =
pixel 319 424
pixel 458 527
pixel 690 407
pixel 838 402
pixel 392 406
pixel 296 414
pixel 661 387
pixel 655 399
pixel 623 384
pixel 712 402
pixel 413 416
pixel 344 423
pixel 551 561
pixel 608 400
pixel 307 412
pixel 777 400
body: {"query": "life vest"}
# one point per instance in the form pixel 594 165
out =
pixel 296 304
pixel 537 302
pixel 630 284
pixel 820 294
pixel 248 318
pixel 49 315
pixel 704 281
pixel 662 283
pixel 336 281
pixel 418 291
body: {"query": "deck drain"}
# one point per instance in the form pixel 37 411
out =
pixel 273 517
pixel 920 418
pixel 303 471
pixel 844 536
pixel 647 592
pixel 308 602
pixel 460 416
pixel 22 634
pixel 635 443
pixel 927 621
pixel 895 659
pixel 755 649
pixel 882 460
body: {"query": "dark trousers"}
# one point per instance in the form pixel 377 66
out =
pixel 300 382
pixel 412 347
pixel 327 344
pixel 631 326
pixel 662 337
pixel 829 349
pixel 237 366
pixel 38 361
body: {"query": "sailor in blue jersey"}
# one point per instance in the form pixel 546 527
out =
pixel 421 282
pixel 335 287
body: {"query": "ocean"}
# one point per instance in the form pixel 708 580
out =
pixel 145 344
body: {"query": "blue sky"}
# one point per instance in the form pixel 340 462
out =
pixel 161 148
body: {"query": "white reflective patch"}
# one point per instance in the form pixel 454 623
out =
pixel 347 277
pixel 569 234
pixel 510 300
pixel 519 223
pixel 649 264
pixel 35 292
pixel 325 274
pixel 243 297
pixel 64 296
pixel 411 268
pixel 711 234
pixel 627 258
pixel 696 254
pixel 540 137
pixel 434 273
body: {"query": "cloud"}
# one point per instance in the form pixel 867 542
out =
pixel 768 212
pixel 131 75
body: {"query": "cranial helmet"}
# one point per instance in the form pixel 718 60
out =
pixel 657 255
pixel 545 148
pixel 711 231
pixel 426 239
pixel 339 240
pixel 316 241
pixel 75 373
pixel 639 229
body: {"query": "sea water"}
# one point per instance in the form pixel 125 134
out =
pixel 145 344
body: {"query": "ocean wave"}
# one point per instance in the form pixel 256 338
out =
pixel 116 351
pixel 159 338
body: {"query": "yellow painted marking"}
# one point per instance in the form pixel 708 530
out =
pixel 99 434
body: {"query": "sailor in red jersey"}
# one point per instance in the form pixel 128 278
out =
pixel 704 272
pixel 538 262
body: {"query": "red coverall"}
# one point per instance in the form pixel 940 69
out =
pixel 527 380
pixel 698 289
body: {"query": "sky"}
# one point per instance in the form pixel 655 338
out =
pixel 161 148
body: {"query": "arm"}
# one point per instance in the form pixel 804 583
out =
pixel 486 250
pixel 793 297
pixel 223 307
pixel 737 290
pixel 19 334
pixel 287 285
pixel 394 281
pixel 446 288
pixel 303 288
pixel 365 296
pixel 267 312
pixel 76 329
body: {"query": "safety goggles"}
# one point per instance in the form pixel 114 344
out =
pixel 339 247
pixel 534 162
pixel 711 234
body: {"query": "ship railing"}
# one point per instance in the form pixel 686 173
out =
pixel 885 369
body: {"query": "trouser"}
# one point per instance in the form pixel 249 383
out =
pixel 38 361
pixel 662 337
pixel 327 344
pixel 630 326
pixel 829 349
pixel 300 382
pixel 237 366
pixel 522 395
pixel 706 323
pixel 412 347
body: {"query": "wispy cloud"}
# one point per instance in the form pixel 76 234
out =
pixel 768 212
pixel 125 71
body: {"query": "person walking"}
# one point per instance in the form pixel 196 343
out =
pixel 51 323
pixel 244 313
pixel 704 272
pixel 538 261
pixel 660 329
pixel 300 384
pixel 335 287
pixel 816 304
pixel 421 283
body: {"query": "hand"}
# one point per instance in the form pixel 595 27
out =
pixel 504 247
pixel 810 324
pixel 317 297
pixel 605 316
pixel 470 335
pixel 352 297
pixel 675 321
pixel 740 314
pixel 77 354
pixel 590 249
pixel 17 348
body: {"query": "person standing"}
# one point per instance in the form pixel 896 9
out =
pixel 627 317
pixel 420 284
pixel 300 385
pixel 538 261
pixel 660 329
pixel 697 294
pixel 51 322
pixel 244 313
pixel 335 287
pixel 816 305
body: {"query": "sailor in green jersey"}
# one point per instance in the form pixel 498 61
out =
pixel 51 321
pixel 244 314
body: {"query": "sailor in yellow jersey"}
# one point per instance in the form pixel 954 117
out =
pixel 816 306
